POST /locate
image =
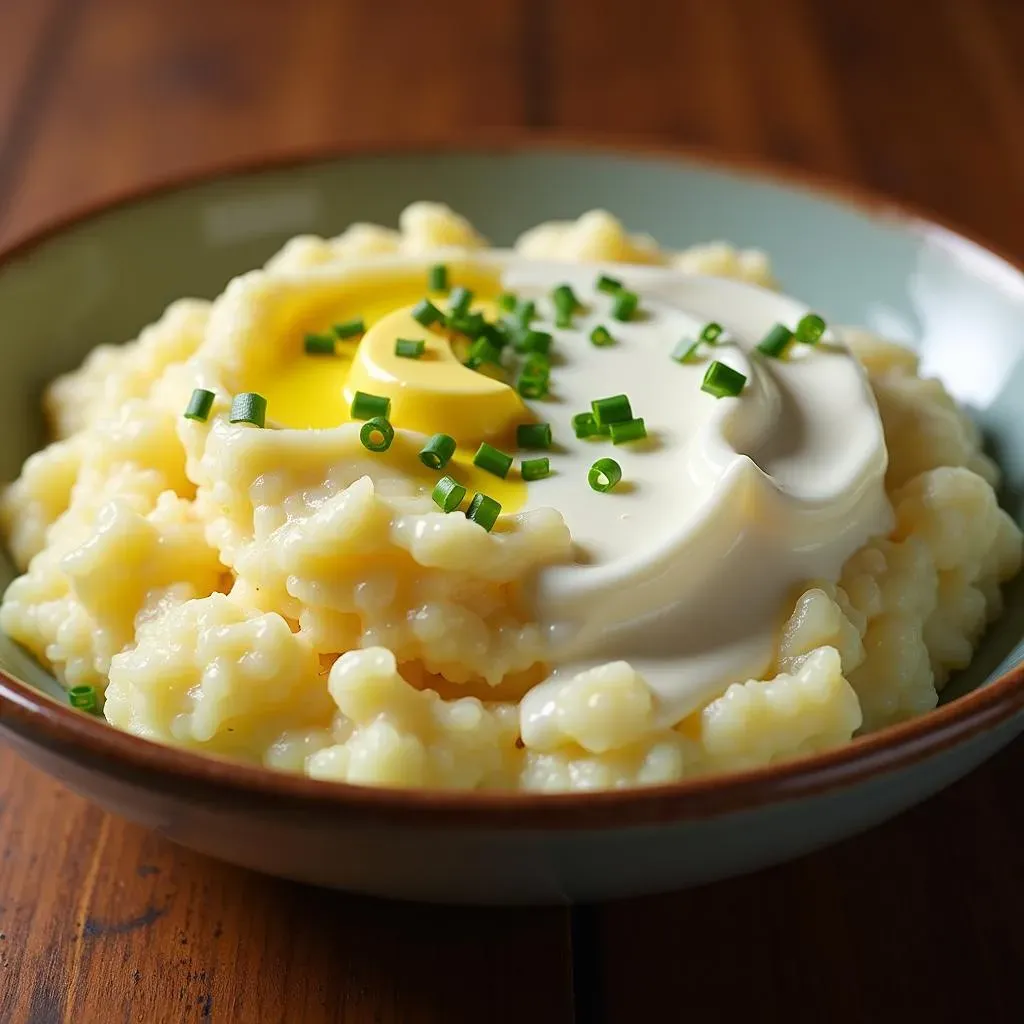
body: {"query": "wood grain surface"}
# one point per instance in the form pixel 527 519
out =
pixel 923 99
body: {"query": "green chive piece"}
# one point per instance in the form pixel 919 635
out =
pixel 601 337
pixel 448 494
pixel 470 324
pixel 604 475
pixel 408 348
pixel 349 329
pixel 525 312
pixel 685 351
pixel 723 381
pixel 482 351
pixel 533 435
pixel 248 407
pixel 535 469
pixel 566 304
pixel 199 405
pixel 810 329
pixel 537 364
pixel 507 301
pixel 584 425
pixel 320 344
pixel 426 313
pixel 565 298
pixel 437 452
pixel 624 305
pixel 366 406
pixel 82 697
pixel 776 341
pixel 711 332
pixel 631 430
pixel 608 285
pixel 377 434
pixel 532 385
pixel 611 410
pixel 437 278
pixel 534 341
pixel 459 302
pixel 494 333
pixel 493 460
pixel 483 511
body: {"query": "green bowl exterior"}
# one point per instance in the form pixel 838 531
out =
pixel 101 279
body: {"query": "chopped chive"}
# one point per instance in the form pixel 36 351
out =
pixel 537 364
pixel 685 350
pixel 199 405
pixel 532 385
pixel 349 329
pixel 494 333
pixel 723 381
pixel 482 351
pixel 566 304
pixel 525 312
pixel 776 341
pixel 377 434
pixel 584 425
pixel 604 475
pixel 409 348
pixel 470 324
pixel 631 430
pixel 624 305
pixel 426 313
pixel 248 407
pixel 448 494
pixel 565 298
pixel 320 344
pixel 437 452
pixel 437 278
pixel 534 341
pixel 459 302
pixel 366 406
pixel 483 511
pixel 82 697
pixel 810 329
pixel 608 285
pixel 711 332
pixel 493 460
pixel 507 301
pixel 533 435
pixel 600 337
pixel 535 469
pixel 611 410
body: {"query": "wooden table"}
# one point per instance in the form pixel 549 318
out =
pixel 924 99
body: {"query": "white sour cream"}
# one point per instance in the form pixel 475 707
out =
pixel 687 569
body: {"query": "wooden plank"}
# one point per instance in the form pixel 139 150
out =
pixel 101 920
pixel 24 28
pixel 741 77
pixel 915 920
pixel 28 30
pixel 150 90
pixel 922 119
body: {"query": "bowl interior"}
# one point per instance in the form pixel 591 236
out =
pixel 102 279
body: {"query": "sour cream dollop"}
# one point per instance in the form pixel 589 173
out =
pixel 687 569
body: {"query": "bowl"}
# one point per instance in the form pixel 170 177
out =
pixel 99 276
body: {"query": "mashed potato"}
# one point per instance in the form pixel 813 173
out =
pixel 268 595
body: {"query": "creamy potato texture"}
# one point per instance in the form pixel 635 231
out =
pixel 286 596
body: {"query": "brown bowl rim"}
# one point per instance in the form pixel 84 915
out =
pixel 36 718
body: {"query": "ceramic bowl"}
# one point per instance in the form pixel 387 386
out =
pixel 99 277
